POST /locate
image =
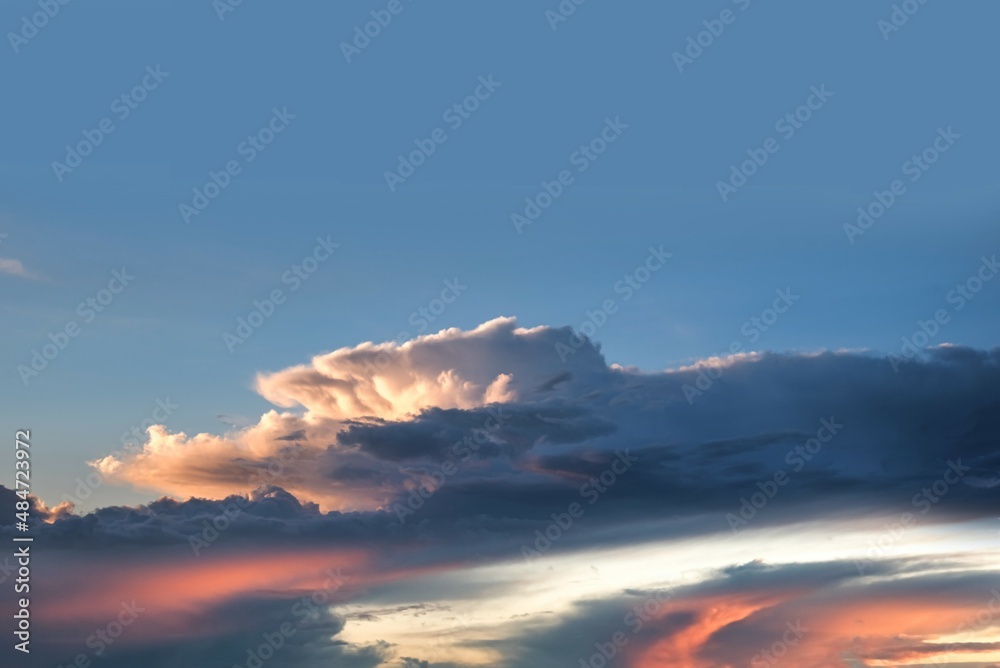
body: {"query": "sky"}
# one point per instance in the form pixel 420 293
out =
pixel 258 264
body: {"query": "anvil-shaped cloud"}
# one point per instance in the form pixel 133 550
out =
pixel 500 405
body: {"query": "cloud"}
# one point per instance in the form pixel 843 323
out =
pixel 275 552
pixel 14 267
pixel 352 399
pixel 279 552
pixel 813 615
pixel 484 437
pixel 451 369
pixel 511 430
pixel 490 470
pixel 516 426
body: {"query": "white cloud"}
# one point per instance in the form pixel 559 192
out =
pixel 14 267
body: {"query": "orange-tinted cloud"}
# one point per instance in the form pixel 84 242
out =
pixel 887 624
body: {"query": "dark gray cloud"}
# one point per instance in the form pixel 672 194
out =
pixel 499 430
pixel 239 632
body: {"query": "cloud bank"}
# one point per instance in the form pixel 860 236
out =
pixel 824 491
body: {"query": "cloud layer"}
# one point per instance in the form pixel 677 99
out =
pixel 475 466
pixel 501 410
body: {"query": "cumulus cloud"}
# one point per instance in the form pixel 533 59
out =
pixel 511 419
pixel 349 395
pixel 299 452
pixel 450 369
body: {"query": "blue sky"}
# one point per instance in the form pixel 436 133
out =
pixel 324 175
pixel 208 209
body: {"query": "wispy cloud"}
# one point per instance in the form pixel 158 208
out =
pixel 14 267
